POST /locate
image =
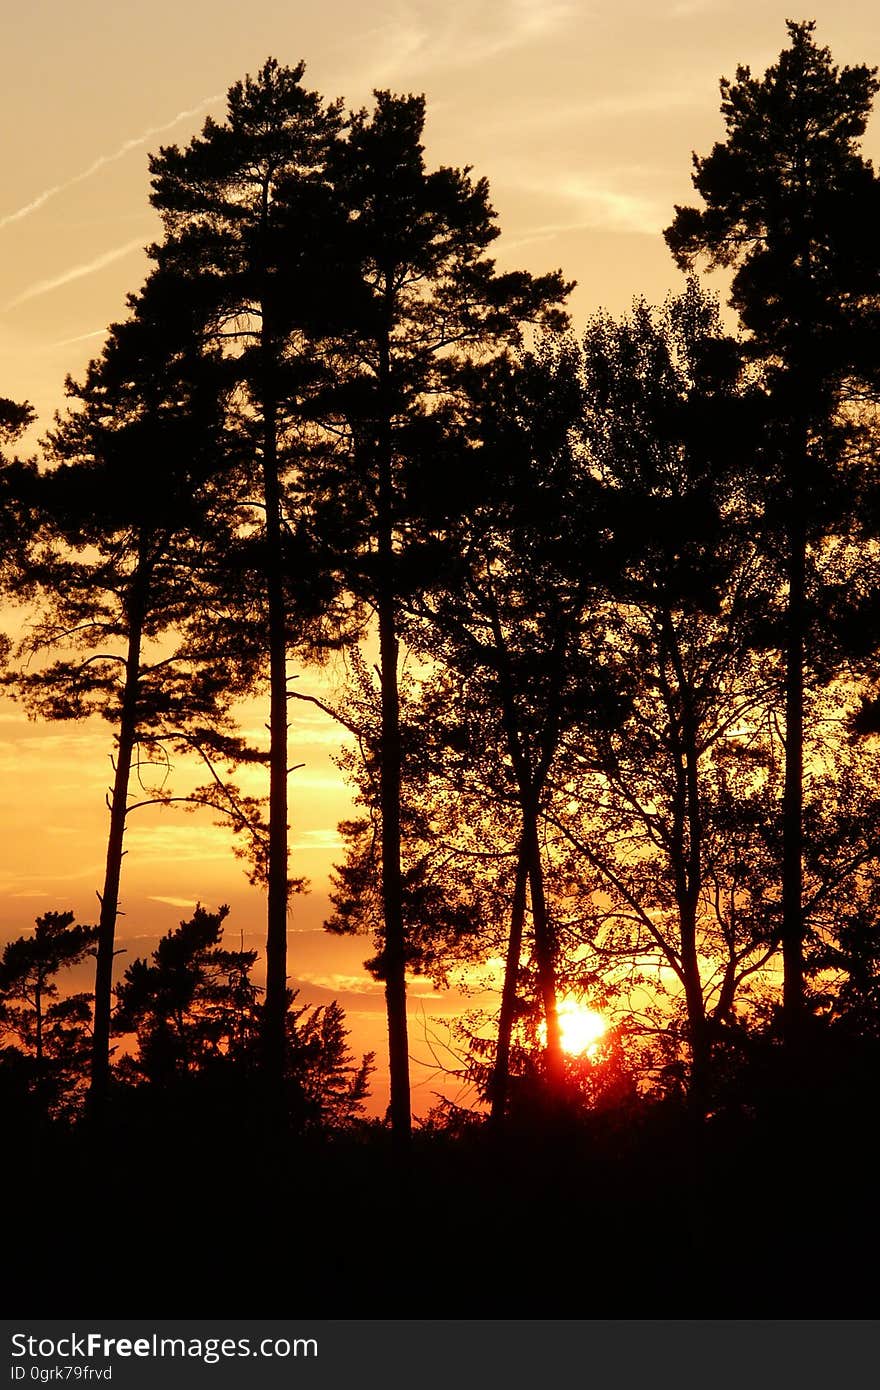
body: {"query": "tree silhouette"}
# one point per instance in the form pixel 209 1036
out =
pixel 17 484
pixel 791 205
pixel 250 265
pixel 194 1004
pixel 196 1015
pixel 428 301
pixel 52 1031
pixel 123 558
pixel 508 623
pixel 444 905
pixel 675 691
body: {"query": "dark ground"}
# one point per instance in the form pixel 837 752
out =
pixel 620 1215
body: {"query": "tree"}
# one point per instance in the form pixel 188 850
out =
pixel 791 205
pixel 17 482
pixel 195 1012
pixel 444 903
pixel 669 746
pixel 507 624
pixel 253 268
pixel 427 301
pixel 194 1004
pixel 51 1031
pixel 126 556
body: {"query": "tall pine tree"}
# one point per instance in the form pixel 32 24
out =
pixel 426 302
pixel 792 206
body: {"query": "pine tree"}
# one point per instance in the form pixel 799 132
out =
pixel 792 206
pixel 17 486
pixel 426 303
pixel 253 267
pixel 51 1031
pixel 125 558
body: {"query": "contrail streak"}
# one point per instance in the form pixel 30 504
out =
pixel 76 272
pixel 102 161
pixel 80 338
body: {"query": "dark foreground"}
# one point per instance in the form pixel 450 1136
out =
pixel 626 1214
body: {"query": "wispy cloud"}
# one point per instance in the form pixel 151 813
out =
pixel 686 9
pixel 172 902
pixel 45 884
pixel 340 982
pixel 79 338
pixel 426 38
pixel 319 840
pixel 640 101
pixel 77 272
pixel 103 160
pixel 594 203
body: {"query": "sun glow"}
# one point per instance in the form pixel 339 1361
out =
pixel 580 1028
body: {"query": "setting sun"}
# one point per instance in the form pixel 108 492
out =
pixel 580 1027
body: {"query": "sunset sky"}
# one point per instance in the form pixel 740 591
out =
pixel 583 117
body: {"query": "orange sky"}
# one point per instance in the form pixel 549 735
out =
pixel 582 116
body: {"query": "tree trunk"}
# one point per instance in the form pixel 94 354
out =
pixel 38 1008
pixel 394 955
pixel 686 848
pixel 793 795
pixel 545 952
pixel 275 1007
pixel 698 1032
pixel 500 1078
pixel 125 742
pixel 391 758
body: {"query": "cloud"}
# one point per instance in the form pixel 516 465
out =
pixel 466 35
pixel 103 160
pixel 318 839
pixel 687 9
pixel 79 338
pixel 28 885
pixel 640 101
pixel 171 902
pixel 167 843
pixel 596 204
pixel 76 272
pixel 338 982
pixel 341 982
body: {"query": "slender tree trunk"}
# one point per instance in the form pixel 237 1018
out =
pixel 38 1007
pixel 687 852
pixel 793 795
pixel 693 986
pixel 275 1007
pixel 125 742
pixel 805 395
pixel 696 1012
pixel 394 955
pixel 545 950
pixel 499 1081
pixel 529 785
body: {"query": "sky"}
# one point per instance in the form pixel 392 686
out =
pixel 582 116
